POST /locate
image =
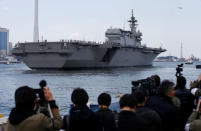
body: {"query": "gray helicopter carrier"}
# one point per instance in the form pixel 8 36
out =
pixel 122 48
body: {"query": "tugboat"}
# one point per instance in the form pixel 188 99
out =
pixel 198 66
pixel 189 62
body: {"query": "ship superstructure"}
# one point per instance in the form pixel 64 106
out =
pixel 123 37
pixel 121 49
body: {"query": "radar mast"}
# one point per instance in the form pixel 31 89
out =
pixel 133 23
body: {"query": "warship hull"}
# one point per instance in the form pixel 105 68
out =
pixel 122 48
pixel 61 55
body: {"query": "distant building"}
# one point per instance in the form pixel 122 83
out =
pixel 166 59
pixel 4 42
pixel 10 47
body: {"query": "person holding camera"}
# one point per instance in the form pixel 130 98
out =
pixel 149 85
pixel 24 117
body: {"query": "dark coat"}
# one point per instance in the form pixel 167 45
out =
pixel 129 121
pixel 166 110
pixel 107 119
pixel 81 119
pixel 187 105
pixel 150 117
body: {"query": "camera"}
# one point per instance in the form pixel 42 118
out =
pixel 179 69
pixel 148 85
pixel 40 96
pixel 42 103
pixel 39 92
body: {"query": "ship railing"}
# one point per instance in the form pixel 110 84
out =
pixel 83 42
pixel 154 49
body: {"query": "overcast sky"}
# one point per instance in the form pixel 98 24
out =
pixel 164 23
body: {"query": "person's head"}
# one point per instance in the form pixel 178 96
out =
pixel 157 80
pixel 140 97
pixel 128 102
pixel 167 89
pixel 181 82
pixel 25 98
pixel 104 99
pixel 79 97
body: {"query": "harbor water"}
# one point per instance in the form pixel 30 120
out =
pixel 62 83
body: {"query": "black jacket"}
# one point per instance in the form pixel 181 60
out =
pixel 81 119
pixel 107 119
pixel 129 121
pixel 150 117
pixel 166 110
pixel 187 105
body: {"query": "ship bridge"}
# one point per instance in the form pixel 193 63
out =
pixel 124 37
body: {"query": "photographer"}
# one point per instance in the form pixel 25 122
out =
pixel 149 85
pixel 24 118
pixel 196 87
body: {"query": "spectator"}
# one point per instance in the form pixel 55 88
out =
pixel 164 106
pixel 196 87
pixel 157 80
pixel 128 120
pixel 80 117
pixel 104 114
pixel 24 118
pixel 194 121
pixel 187 101
pixel 150 117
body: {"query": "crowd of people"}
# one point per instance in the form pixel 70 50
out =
pixel 172 108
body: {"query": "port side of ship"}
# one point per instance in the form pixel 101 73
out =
pixel 121 49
